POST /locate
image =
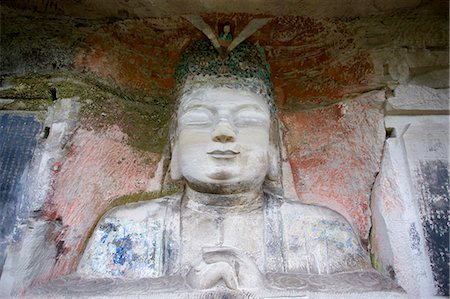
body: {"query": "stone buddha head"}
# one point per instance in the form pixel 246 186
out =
pixel 223 141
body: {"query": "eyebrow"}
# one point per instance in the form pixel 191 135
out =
pixel 243 106
pixel 192 104
pixel 196 103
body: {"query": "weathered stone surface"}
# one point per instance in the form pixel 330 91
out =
pixel 76 176
pixel 4 102
pixel 144 60
pixel 335 154
pixel 432 179
pixel 412 99
pixel 49 46
pixel 32 244
pixel 137 9
pixel 314 61
pixel 98 168
pixel 351 285
pixel 406 50
pixel 410 205
pixel 303 65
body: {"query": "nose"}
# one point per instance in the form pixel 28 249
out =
pixel 223 132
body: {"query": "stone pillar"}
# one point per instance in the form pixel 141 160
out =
pixel 410 198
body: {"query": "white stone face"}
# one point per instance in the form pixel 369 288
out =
pixel 222 141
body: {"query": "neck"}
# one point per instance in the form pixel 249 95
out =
pixel 239 202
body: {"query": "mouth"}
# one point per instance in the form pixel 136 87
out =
pixel 218 154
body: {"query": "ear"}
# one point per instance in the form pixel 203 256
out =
pixel 175 173
pixel 274 169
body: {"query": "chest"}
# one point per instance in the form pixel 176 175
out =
pixel 242 231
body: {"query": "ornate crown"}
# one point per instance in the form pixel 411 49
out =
pixel 245 68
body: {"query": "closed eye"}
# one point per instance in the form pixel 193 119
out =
pixel 196 117
pixel 250 116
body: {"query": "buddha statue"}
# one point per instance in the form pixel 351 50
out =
pixel 231 228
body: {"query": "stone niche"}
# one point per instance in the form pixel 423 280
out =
pixel 85 105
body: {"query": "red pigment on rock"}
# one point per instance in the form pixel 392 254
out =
pixel 315 62
pixel 88 181
pixel 335 153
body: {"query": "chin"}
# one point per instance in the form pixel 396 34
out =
pixel 222 186
pixel 222 175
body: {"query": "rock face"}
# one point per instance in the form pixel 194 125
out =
pixel 136 9
pixel 335 153
pixel 98 168
pixel 76 173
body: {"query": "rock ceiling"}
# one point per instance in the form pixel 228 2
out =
pixel 320 51
pixel 157 8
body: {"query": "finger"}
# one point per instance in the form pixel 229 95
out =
pixel 219 256
pixel 222 250
pixel 208 275
pixel 230 279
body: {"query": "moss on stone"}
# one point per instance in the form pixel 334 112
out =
pixel 375 263
pixel 143 118
pixel 27 105
pixel 142 196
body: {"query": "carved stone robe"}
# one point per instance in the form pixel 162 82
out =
pixel 163 237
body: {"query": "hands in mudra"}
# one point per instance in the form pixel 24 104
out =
pixel 224 263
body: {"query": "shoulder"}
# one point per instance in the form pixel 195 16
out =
pixel 308 211
pixel 321 235
pixel 139 211
pixel 316 218
pixel 129 240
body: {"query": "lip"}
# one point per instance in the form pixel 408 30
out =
pixel 227 154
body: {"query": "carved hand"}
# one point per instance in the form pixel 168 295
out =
pixel 227 264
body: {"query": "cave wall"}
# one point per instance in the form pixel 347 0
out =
pixel 104 88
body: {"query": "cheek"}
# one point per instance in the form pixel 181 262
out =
pixel 192 139
pixel 254 146
pixel 191 149
pixel 254 140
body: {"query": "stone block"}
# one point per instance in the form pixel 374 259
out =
pixel 410 205
pixel 413 99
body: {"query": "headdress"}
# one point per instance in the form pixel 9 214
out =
pixel 245 68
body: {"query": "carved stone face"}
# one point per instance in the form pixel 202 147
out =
pixel 223 143
pixel 226 29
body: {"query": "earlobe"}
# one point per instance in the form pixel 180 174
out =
pixel 175 173
pixel 273 171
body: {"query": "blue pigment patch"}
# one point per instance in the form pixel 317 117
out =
pixel 349 243
pixel 124 248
